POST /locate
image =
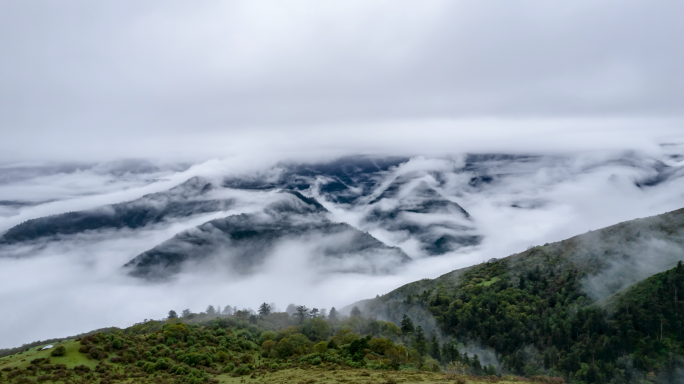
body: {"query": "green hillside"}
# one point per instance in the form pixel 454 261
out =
pixel 563 308
pixel 240 349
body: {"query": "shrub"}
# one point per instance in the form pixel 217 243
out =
pixel 241 369
pixel 59 351
pixel 148 367
pixel 161 363
pixel 117 343
pixel 321 347
pixel 97 353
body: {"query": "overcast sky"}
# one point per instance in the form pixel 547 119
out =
pixel 108 79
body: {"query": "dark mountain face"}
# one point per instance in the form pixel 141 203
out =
pixel 407 206
pixel 440 225
pixel 342 181
pixel 243 243
pixel 182 201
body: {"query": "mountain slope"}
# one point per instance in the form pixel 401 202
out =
pixel 536 309
pixel 343 181
pixel 189 198
pixel 410 205
pixel 242 243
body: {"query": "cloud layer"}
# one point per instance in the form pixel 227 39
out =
pixel 101 80
pixel 58 288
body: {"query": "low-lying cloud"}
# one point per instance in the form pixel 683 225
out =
pixel 57 288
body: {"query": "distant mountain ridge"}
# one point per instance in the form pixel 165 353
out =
pixel 403 204
pixel 244 241
pixel 183 200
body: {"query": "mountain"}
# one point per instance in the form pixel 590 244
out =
pixel 344 181
pixel 403 204
pixel 189 198
pixel 585 307
pixel 410 205
pixel 242 243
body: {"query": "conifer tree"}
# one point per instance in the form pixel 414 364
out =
pixel 406 325
pixel 419 341
pixel 434 348
pixel 264 309
pixel 302 313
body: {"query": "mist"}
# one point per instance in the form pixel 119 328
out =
pixel 57 288
pixel 103 103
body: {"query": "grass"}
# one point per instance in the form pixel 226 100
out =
pixel 326 375
pixel 490 281
pixel 71 359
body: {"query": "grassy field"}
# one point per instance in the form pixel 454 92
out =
pixel 326 375
pixel 489 282
pixel 71 359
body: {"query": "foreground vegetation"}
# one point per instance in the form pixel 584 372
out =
pixel 234 350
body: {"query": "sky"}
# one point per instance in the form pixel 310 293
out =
pixel 215 88
pixel 170 79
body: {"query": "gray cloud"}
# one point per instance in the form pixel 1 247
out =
pixel 101 80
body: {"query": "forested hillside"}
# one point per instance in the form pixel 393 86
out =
pixel 269 347
pixel 547 311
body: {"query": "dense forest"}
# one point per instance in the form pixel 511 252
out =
pixel 542 321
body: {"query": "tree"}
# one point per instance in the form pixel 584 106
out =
pixel 227 310
pixel 477 367
pixel 374 328
pixel 264 309
pixel 450 352
pixel 186 313
pixel 291 309
pixel 356 312
pixel 314 312
pixel 210 310
pixel 434 348
pixel 333 313
pixel 302 312
pixel 406 325
pixel 320 329
pixel 419 341
pixel 173 314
